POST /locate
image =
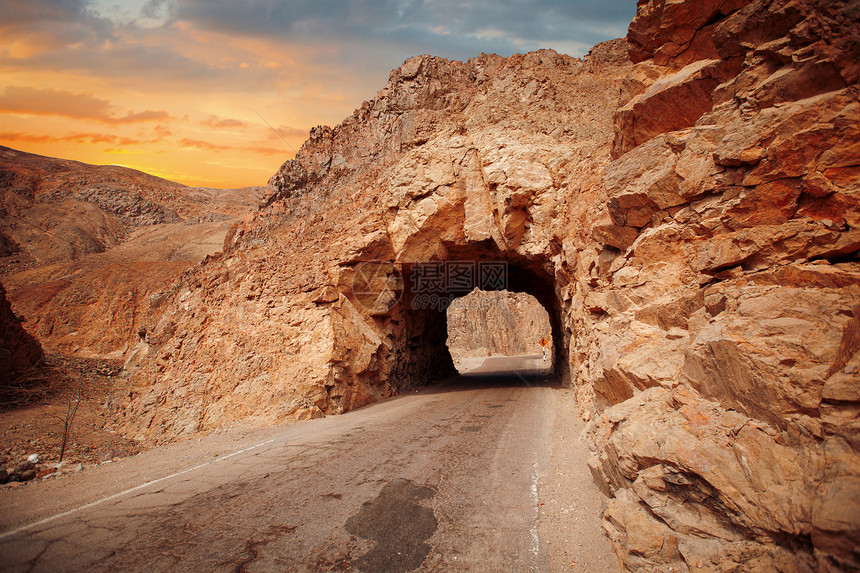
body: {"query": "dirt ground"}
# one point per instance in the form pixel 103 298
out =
pixel 32 414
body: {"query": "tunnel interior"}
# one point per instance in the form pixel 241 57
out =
pixel 429 287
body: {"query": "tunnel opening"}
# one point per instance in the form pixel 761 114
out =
pixel 499 333
pixel 430 287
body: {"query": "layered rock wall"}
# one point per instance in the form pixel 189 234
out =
pixel 684 204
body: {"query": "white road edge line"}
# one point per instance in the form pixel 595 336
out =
pixel 536 503
pixel 125 492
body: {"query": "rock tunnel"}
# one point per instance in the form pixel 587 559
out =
pixel 428 287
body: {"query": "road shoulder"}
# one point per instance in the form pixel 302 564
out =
pixel 572 507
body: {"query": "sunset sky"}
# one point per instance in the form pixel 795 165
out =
pixel 184 89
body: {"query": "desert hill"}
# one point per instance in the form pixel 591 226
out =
pixel 83 247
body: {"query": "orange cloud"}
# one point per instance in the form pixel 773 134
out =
pixel 71 138
pixel 208 146
pixel 36 101
pixel 162 131
pixel 28 138
pixel 287 131
pixel 217 122
pixel 141 116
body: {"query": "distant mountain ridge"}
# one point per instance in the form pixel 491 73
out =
pixel 82 245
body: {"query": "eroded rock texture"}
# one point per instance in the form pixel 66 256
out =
pixel 684 204
pixel 736 220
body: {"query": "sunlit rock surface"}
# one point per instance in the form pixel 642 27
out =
pixel 685 206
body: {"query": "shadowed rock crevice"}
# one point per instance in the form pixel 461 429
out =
pixel 19 351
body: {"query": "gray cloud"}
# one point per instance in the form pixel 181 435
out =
pixel 369 36
pixel 67 35
pixel 52 23
pixel 333 48
pixel 440 27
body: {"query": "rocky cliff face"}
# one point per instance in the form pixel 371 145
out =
pixel 312 309
pixel 730 434
pixel 684 204
pixel 496 323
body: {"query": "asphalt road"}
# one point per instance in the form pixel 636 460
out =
pixel 529 365
pixel 441 480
